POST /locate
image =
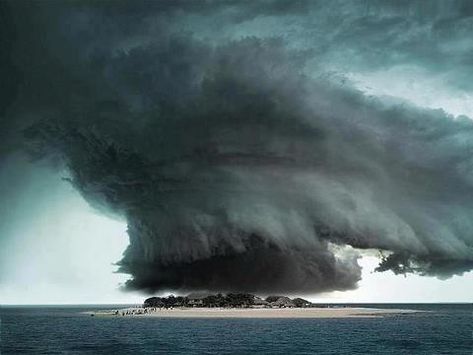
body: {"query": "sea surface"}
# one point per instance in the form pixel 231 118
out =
pixel 445 329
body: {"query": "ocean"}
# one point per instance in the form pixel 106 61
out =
pixel 445 329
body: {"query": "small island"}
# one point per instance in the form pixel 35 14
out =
pixel 242 305
pixel 230 300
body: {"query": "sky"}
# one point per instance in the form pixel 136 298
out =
pixel 310 148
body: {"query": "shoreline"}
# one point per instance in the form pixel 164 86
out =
pixel 196 312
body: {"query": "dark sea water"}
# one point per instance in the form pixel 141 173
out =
pixel 446 329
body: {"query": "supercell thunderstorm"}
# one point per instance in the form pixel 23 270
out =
pixel 239 167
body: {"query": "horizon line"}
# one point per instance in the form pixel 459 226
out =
pixel 113 304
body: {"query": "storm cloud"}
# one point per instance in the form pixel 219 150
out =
pixel 243 162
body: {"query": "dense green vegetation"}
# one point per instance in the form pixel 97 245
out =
pixel 230 300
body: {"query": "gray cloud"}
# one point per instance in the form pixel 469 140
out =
pixel 235 168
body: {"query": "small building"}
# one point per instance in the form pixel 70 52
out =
pixel 196 299
pixel 260 303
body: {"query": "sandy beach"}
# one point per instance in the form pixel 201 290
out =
pixel 345 312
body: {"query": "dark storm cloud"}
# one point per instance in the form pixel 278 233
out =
pixel 433 35
pixel 235 168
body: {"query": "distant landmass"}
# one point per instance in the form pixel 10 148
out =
pixel 230 300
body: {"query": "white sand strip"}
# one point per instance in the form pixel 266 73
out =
pixel 344 312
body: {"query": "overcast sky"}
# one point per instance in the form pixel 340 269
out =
pixel 304 147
